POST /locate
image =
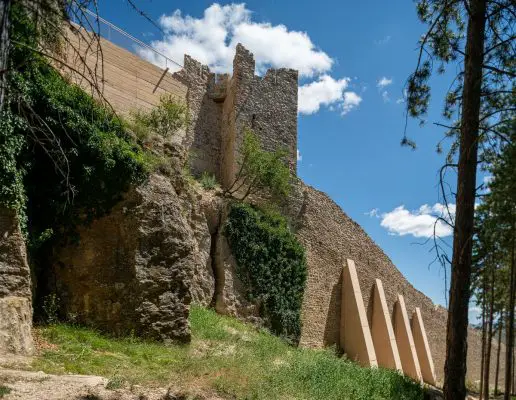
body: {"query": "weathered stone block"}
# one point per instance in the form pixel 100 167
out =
pixel 15 326
pixel 139 268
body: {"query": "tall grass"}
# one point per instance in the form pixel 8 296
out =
pixel 225 356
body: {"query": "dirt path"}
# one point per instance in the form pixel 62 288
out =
pixel 28 385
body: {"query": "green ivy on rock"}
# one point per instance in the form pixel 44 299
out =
pixel 271 263
pixel 64 157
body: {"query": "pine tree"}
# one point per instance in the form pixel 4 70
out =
pixel 477 38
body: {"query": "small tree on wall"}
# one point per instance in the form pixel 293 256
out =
pixel 260 171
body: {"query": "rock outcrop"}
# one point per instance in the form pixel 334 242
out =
pixel 15 288
pixel 134 269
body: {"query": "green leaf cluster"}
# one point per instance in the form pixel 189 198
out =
pixel 261 171
pixel 166 119
pixel 271 263
pixel 64 157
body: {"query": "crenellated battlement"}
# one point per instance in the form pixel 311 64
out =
pixel 223 105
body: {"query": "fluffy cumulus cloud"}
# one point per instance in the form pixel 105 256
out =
pixel 420 223
pixel 212 38
pixel 350 101
pixel 327 91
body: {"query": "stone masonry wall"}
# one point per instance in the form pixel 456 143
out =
pixel 267 105
pixel 222 107
pixel 203 133
pixel 330 237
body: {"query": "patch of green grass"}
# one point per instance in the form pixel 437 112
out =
pixel 4 390
pixel 234 359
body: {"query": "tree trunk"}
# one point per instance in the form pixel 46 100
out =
pixel 483 358
pixel 510 321
pixel 4 47
pixel 457 326
pixel 487 363
pixel 500 326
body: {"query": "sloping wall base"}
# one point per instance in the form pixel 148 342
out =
pixel 405 340
pixel 382 331
pixel 424 355
pixel 355 335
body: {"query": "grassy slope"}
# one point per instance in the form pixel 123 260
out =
pixel 225 356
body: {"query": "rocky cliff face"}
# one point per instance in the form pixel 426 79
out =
pixel 15 288
pixel 139 268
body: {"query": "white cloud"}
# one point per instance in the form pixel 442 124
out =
pixel 325 91
pixel 212 39
pixel 299 156
pixel 373 213
pixel 383 82
pixel 421 222
pixel 351 101
pixel 385 96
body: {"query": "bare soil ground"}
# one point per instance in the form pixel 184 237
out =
pixel 29 385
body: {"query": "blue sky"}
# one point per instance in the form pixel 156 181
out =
pixel 357 56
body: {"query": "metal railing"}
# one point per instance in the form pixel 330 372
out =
pixel 168 62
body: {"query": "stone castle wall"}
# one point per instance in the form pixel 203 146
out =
pixel 330 237
pixel 222 107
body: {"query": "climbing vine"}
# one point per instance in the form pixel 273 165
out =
pixel 271 263
pixel 64 157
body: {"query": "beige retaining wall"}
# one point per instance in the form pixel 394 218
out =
pixel 126 81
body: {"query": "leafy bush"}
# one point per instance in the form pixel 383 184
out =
pixel 62 153
pixel 164 120
pixel 208 181
pixel 261 171
pixel 271 262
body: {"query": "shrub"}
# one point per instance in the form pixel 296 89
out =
pixel 208 181
pixel 164 120
pixel 59 146
pixel 271 263
pixel 261 170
